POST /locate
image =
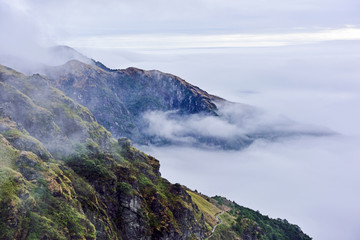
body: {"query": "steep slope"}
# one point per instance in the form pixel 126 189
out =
pixel 124 95
pixel 160 108
pixel 62 176
pixel 249 224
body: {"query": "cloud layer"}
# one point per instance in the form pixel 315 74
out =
pixel 311 182
pixel 236 127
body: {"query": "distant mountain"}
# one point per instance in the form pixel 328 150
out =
pixel 30 63
pixel 160 108
pixel 63 175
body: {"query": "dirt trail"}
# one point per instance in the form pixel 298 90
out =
pixel 219 222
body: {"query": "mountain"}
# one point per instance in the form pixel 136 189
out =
pixel 152 107
pixel 63 176
pixel 38 59
pixel 160 108
pixel 118 98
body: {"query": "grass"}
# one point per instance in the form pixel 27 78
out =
pixel 11 72
pixel 227 219
pixel 8 154
pixel 9 202
pixel 13 133
pixel 209 210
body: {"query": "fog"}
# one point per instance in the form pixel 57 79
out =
pixel 235 127
pixel 310 181
pixel 275 56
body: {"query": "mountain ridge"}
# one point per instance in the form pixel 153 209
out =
pixel 136 103
pixel 128 93
pixel 63 176
pixel 130 96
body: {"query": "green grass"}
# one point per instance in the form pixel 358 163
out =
pixel 227 219
pixel 209 210
pixel 11 72
pixel 8 154
pixel 9 201
pixel 13 133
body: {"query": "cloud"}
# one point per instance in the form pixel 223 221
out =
pixel 157 42
pixel 20 32
pixel 309 181
pixel 237 126
pixel 68 19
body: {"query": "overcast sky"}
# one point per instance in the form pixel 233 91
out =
pixel 295 58
pixel 173 24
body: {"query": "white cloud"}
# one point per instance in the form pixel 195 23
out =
pixel 309 181
pixel 168 42
pixel 312 181
pixel 67 20
pixel 236 127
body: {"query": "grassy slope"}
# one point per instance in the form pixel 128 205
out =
pixel 206 208
pixel 88 194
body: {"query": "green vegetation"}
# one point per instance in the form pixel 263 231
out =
pixel 8 154
pixel 227 219
pixel 13 133
pixel 91 165
pixel 10 204
pixel 223 231
pixel 252 223
pixel 62 176
pixel 206 208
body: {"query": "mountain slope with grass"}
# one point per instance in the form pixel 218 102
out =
pixel 63 176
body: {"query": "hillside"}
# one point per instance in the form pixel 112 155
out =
pixel 118 98
pixel 152 107
pixel 63 176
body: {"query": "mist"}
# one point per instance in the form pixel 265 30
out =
pixel 300 76
pixel 310 181
pixel 236 126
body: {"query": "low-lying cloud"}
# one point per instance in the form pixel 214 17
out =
pixel 309 181
pixel 236 126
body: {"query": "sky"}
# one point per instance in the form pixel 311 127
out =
pixel 298 59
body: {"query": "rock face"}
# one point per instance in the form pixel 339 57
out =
pixel 118 98
pixel 63 176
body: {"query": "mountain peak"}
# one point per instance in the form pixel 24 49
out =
pixel 65 53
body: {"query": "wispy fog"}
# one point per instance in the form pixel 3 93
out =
pixel 235 126
pixel 26 44
pixel 312 182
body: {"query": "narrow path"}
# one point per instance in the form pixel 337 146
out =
pixel 219 222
